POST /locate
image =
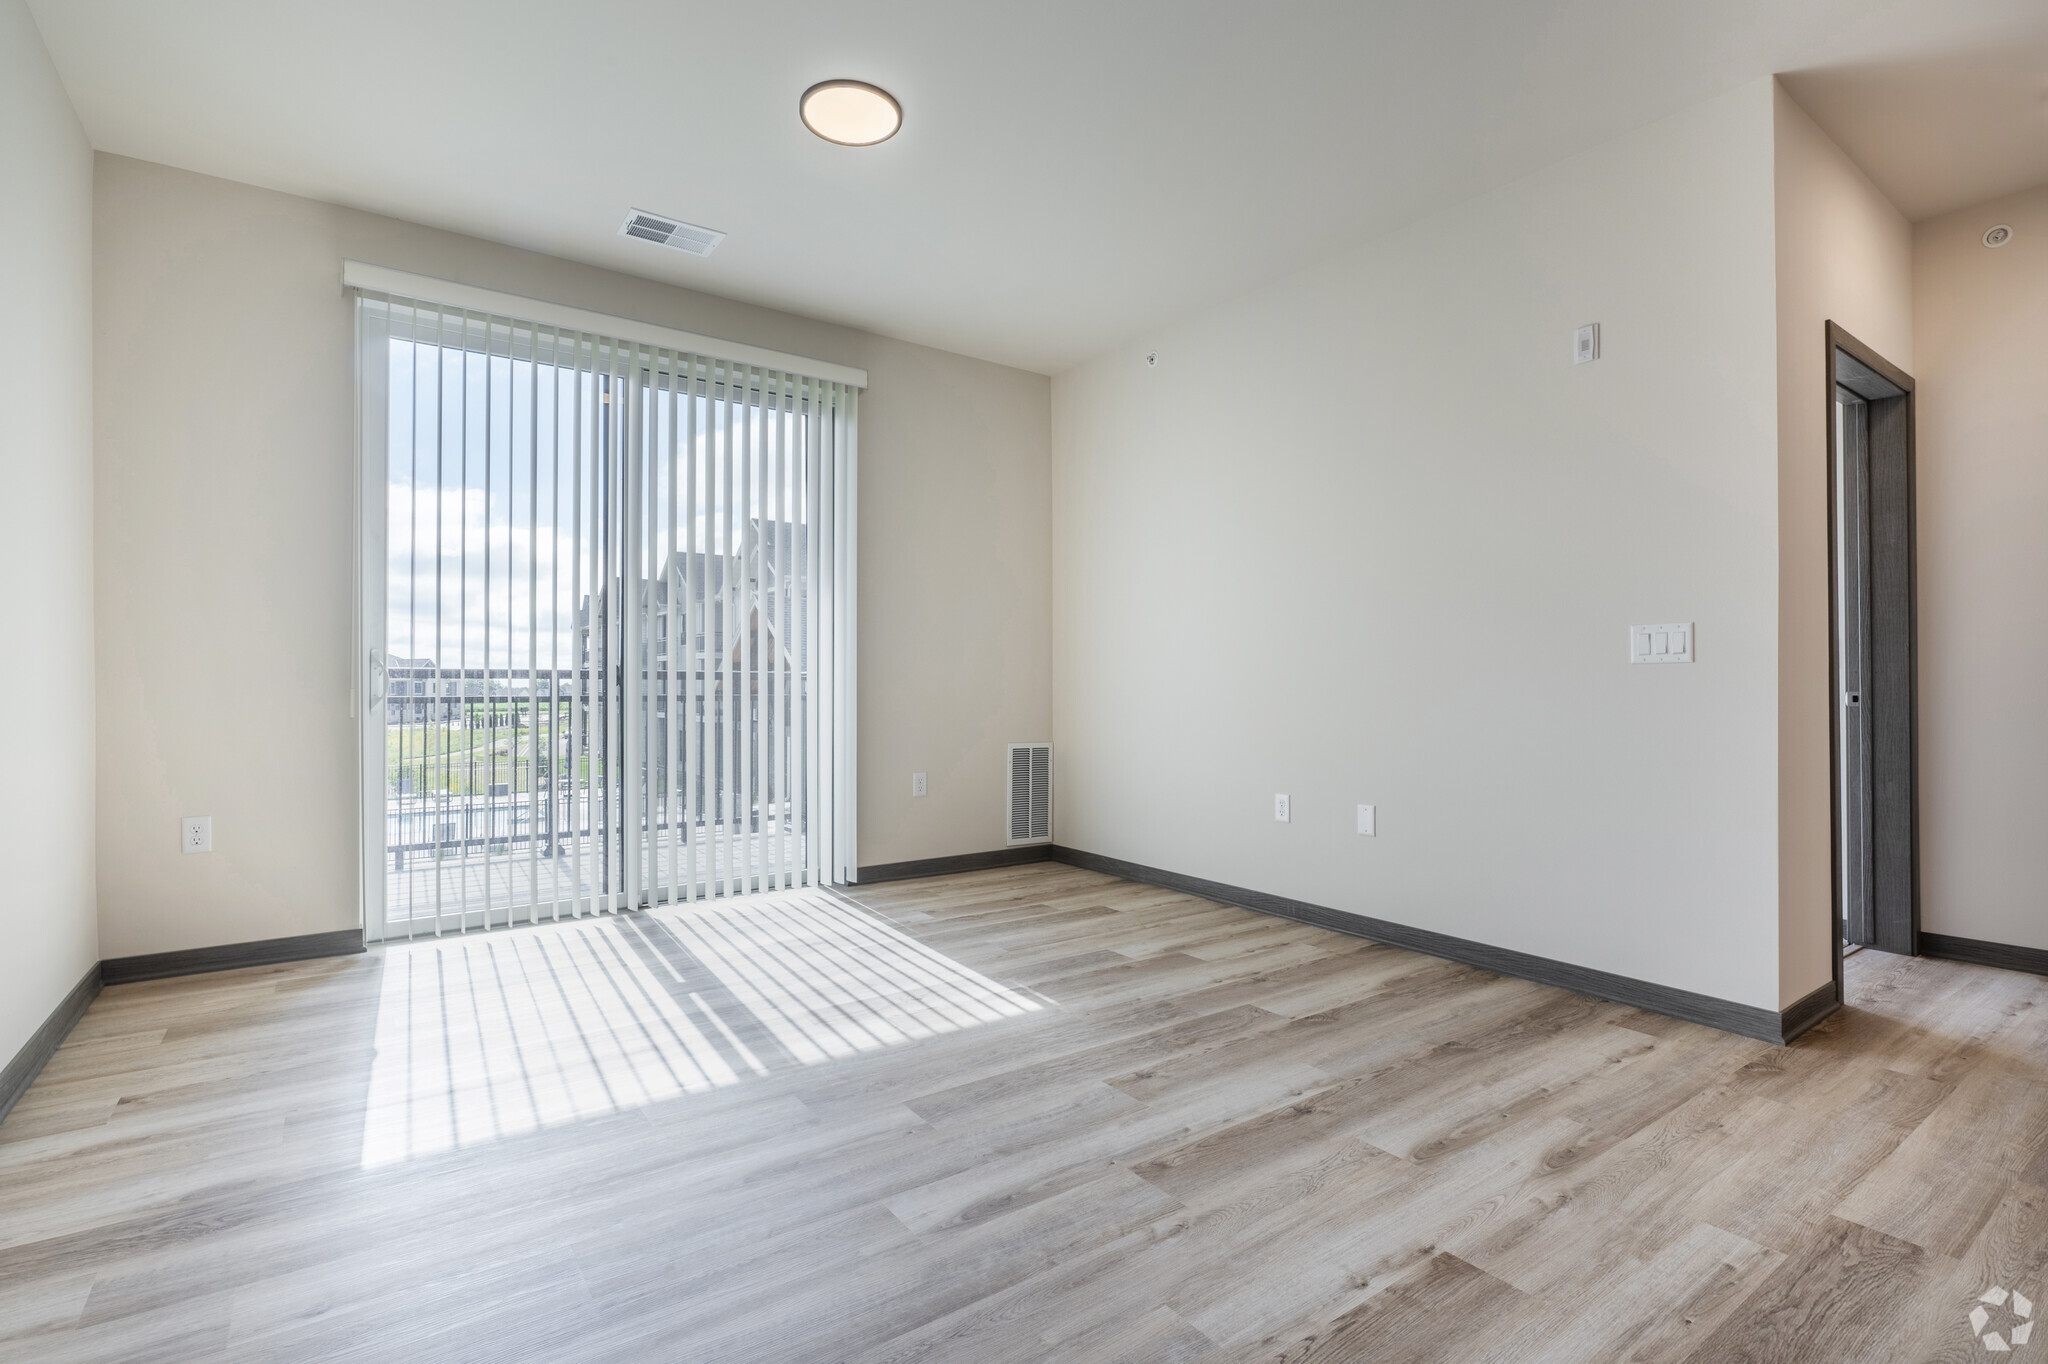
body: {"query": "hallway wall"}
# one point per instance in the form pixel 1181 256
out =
pixel 1980 321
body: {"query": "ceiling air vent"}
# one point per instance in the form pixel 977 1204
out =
pixel 652 227
pixel 1029 809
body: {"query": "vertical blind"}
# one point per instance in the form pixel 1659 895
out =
pixel 608 591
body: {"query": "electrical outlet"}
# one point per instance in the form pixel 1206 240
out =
pixel 1365 821
pixel 1280 808
pixel 198 835
pixel 917 787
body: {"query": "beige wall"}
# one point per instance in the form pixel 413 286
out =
pixel 1980 342
pixel 225 550
pixel 46 679
pixel 1846 255
pixel 1367 535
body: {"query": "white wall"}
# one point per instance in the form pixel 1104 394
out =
pixel 1368 535
pixel 225 552
pixel 46 680
pixel 1980 324
pixel 1844 255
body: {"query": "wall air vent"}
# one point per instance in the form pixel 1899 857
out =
pixel 652 227
pixel 1029 808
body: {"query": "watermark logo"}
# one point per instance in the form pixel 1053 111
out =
pixel 2006 1321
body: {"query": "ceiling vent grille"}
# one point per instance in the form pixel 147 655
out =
pixel 1029 808
pixel 652 227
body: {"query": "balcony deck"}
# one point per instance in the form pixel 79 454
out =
pixel 500 874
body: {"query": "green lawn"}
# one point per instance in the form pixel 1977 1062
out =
pixel 470 760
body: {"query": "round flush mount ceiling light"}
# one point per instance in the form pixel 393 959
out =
pixel 1998 236
pixel 851 113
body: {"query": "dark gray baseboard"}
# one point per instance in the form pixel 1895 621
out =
pixel 947 866
pixel 1745 1020
pixel 2031 959
pixel 1808 1010
pixel 193 961
pixel 18 1074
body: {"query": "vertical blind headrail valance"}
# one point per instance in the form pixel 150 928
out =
pixel 662 368
pixel 469 316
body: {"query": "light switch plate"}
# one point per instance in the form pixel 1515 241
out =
pixel 917 786
pixel 1365 821
pixel 198 834
pixel 1280 809
pixel 1660 643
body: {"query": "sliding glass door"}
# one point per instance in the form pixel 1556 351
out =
pixel 605 621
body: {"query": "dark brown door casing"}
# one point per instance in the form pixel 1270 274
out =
pixel 1880 811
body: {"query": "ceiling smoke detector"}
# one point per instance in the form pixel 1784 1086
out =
pixel 653 227
pixel 1998 236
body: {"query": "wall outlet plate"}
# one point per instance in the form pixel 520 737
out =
pixel 1365 821
pixel 1586 343
pixel 917 784
pixel 197 834
pixel 1280 808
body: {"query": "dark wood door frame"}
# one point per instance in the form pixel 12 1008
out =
pixel 1894 662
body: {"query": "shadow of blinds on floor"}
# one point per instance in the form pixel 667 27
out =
pixel 494 1035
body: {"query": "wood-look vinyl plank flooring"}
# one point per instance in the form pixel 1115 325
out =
pixel 1018 1115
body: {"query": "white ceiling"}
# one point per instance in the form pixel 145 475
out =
pixel 1942 105
pixel 1069 171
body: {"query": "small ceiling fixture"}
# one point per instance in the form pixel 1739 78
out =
pixel 1998 236
pixel 850 113
pixel 665 231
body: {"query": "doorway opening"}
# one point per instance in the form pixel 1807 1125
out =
pixel 1871 573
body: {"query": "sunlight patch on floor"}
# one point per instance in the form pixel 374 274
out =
pixel 493 1035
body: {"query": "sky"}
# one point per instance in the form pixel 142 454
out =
pixel 496 467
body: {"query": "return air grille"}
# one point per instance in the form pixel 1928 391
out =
pixel 653 227
pixel 1030 798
